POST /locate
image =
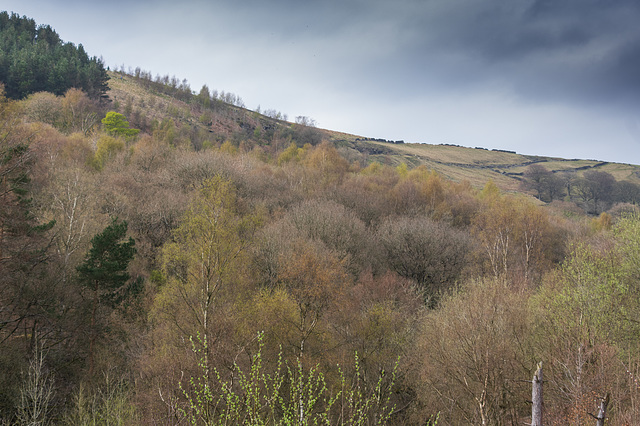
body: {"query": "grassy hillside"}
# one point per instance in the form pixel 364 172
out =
pixel 147 104
pixel 476 165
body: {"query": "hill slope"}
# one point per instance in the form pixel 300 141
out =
pixel 478 165
pixel 279 266
pixel 144 101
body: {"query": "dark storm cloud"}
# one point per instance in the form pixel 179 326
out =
pixel 507 30
pixel 574 50
pixel 585 50
pixel 622 71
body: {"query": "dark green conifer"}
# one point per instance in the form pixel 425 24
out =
pixel 104 273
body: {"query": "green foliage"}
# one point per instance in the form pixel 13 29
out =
pixel 34 59
pixel 627 234
pixel 627 248
pixel 337 273
pixel 104 274
pixel 257 133
pixel 206 264
pixel 105 267
pixel 286 396
pixel 106 148
pixel 116 124
pixel 165 131
pixel 490 191
pixel 372 169
pixel 586 295
pixel 402 170
pixel 204 97
pixel 228 148
pixel 587 325
pixel 206 119
pixel 291 154
pixel 109 403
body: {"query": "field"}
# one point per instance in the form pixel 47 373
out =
pixel 478 165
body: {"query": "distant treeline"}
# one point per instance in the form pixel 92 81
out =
pixel 595 191
pixel 479 147
pixel 378 140
pixel 494 150
pixel 181 89
pixel 33 59
pixel 206 97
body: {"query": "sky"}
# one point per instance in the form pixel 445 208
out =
pixel 543 77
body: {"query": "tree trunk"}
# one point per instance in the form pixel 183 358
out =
pixel 537 410
pixel 602 412
pixel 92 338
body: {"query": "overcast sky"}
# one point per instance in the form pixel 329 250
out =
pixel 544 77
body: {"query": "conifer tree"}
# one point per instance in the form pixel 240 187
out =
pixel 104 273
pixel 34 59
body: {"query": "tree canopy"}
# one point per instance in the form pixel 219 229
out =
pixel 33 58
pixel 116 124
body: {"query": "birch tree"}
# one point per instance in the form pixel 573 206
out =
pixel 205 260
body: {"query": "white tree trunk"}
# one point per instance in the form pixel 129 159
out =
pixel 602 412
pixel 537 411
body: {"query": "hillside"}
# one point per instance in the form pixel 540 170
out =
pixel 475 165
pixel 33 58
pixel 478 165
pixel 170 257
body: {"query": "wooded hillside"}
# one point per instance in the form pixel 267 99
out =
pixel 34 58
pixel 168 257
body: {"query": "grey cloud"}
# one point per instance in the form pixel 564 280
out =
pixel 514 29
pixel 622 71
pixel 577 50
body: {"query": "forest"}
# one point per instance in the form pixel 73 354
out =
pixel 174 260
pixel 34 58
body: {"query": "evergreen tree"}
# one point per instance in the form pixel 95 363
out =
pixel 104 273
pixel 34 59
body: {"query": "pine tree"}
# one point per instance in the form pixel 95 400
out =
pixel 104 273
pixel 34 58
